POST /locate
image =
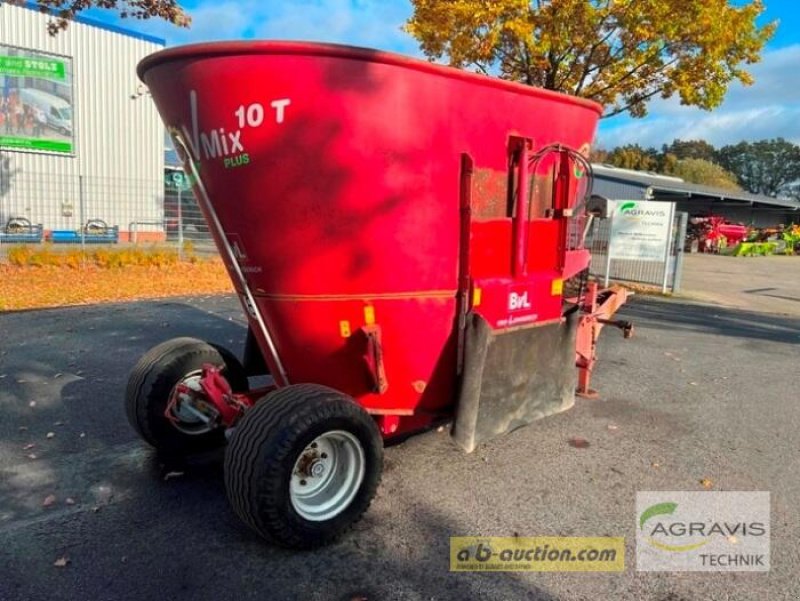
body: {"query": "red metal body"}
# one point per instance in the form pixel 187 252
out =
pixel 598 307
pixel 713 231
pixel 366 201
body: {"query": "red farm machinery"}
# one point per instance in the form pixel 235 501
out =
pixel 406 242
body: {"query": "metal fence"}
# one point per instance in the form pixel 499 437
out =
pixel 68 210
pixel 71 210
pixel 664 274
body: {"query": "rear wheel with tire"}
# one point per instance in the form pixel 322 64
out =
pixel 171 371
pixel 303 465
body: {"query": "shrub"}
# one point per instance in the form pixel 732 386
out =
pixel 104 257
pixel 19 255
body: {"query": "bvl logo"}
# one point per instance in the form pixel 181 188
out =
pixel 518 301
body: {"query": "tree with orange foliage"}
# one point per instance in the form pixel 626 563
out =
pixel 620 53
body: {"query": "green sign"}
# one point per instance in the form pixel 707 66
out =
pixel 34 144
pixel 32 66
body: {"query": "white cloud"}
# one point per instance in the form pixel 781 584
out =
pixel 769 108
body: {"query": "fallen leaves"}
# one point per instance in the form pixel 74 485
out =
pixel 706 483
pixel 51 286
pixel 50 435
pixel 578 443
pixel 61 562
pixel 49 500
pixel 170 475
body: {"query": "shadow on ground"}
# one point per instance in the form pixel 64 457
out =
pixel 677 315
pixel 135 525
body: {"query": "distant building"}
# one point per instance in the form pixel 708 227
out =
pixel 696 200
pixel 80 138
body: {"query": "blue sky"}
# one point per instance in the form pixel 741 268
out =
pixel 769 108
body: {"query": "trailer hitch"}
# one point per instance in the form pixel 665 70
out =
pixel 598 308
pixel 622 324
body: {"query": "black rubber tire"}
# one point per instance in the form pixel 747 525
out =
pixel 263 450
pixel 151 382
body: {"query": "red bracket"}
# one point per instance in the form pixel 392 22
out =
pixel 388 424
pixel 597 309
pixel 216 391
pixel 373 356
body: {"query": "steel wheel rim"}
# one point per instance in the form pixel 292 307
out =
pixel 327 476
pixel 186 421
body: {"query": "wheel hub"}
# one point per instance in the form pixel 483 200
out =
pixel 317 469
pixel 327 475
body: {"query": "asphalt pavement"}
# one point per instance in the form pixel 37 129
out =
pixel 701 392
pixel 765 284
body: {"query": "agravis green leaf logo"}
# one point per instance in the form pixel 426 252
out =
pixel 631 211
pixel 702 531
pixel 667 508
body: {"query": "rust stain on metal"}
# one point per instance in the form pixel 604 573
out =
pixel 541 194
pixel 489 194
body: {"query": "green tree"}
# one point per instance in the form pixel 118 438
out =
pixel 633 156
pixel 691 149
pixel 620 54
pixel 768 167
pixel 667 163
pixel 598 155
pixel 701 171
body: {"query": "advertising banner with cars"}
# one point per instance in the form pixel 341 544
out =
pixel 35 101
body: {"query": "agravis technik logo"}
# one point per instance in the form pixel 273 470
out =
pixel 702 531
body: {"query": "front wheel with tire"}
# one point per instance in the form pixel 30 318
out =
pixel 168 375
pixel 303 465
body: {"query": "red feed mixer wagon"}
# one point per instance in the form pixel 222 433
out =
pixel 402 237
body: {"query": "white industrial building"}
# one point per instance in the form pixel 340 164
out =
pixel 80 138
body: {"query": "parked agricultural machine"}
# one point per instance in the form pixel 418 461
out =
pixel 407 244
pixel 713 233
